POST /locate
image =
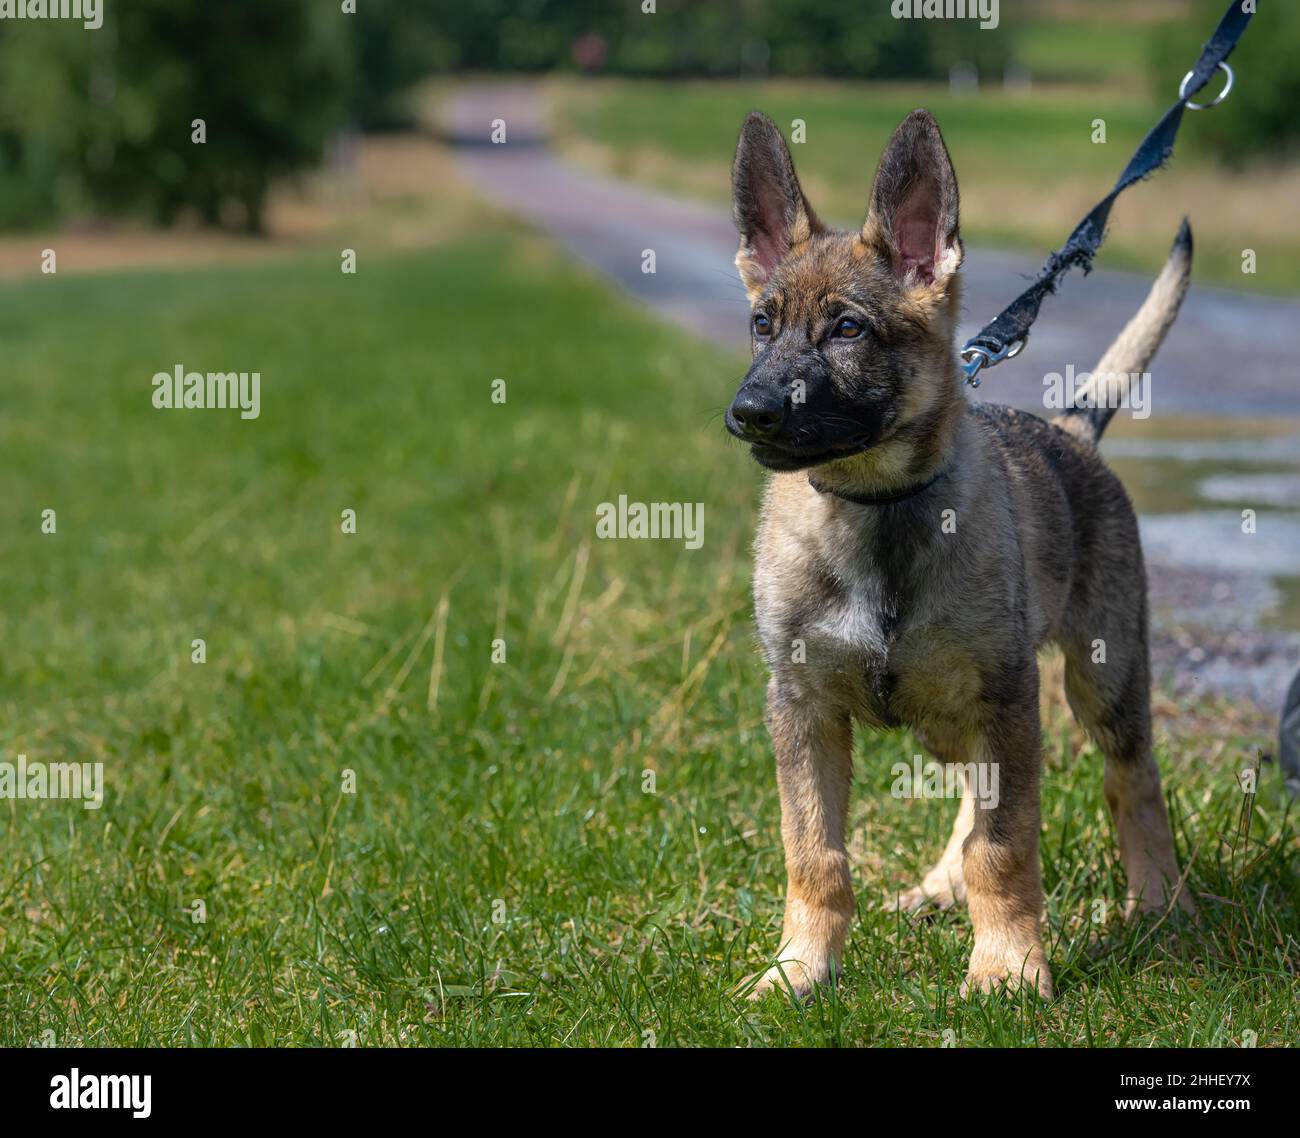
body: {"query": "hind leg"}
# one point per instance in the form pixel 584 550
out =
pixel 944 885
pixel 1112 701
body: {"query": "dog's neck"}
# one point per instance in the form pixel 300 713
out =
pixel 877 499
pixel 906 463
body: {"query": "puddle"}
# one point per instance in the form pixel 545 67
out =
pixel 1225 605
pixel 1213 541
pixel 1168 486
pixel 1283 449
pixel 1253 489
pixel 1167 476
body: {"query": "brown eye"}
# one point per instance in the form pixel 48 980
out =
pixel 762 325
pixel 847 329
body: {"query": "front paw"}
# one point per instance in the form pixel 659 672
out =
pixel 793 977
pixel 1008 971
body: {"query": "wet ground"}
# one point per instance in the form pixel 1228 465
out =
pixel 1220 525
pixel 1224 431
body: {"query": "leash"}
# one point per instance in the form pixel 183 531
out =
pixel 1005 336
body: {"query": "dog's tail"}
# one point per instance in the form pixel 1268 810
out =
pixel 1134 348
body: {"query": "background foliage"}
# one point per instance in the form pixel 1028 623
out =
pixel 98 122
pixel 1263 117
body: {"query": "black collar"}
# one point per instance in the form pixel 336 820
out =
pixel 881 500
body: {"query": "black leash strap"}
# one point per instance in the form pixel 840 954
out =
pixel 1005 335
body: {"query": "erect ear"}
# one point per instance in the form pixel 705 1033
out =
pixel 770 210
pixel 913 213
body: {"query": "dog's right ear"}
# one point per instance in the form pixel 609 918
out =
pixel 770 210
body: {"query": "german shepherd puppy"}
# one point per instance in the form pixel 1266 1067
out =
pixel 916 550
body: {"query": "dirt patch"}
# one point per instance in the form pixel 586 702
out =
pixel 389 191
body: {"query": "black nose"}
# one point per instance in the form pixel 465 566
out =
pixel 759 413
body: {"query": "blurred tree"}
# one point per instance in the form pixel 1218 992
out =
pixel 112 110
pixel 692 38
pixel 268 79
pixel 39 115
pixel 802 38
pixel 397 43
pixel 102 120
pixel 1259 117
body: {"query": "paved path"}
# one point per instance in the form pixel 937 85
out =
pixel 1229 354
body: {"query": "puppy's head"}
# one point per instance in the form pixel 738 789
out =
pixel 852 331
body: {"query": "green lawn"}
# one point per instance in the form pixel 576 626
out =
pixel 500 875
pixel 1095 44
pixel 699 121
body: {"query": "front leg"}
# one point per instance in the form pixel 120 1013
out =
pixel 1000 863
pixel 814 746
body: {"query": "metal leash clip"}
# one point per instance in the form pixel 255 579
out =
pixel 977 356
pixel 1182 90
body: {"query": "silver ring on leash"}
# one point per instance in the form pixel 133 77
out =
pixel 976 356
pixel 1182 89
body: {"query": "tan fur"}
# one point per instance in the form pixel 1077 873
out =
pixel 1134 348
pixel 814 768
pixel 1002 878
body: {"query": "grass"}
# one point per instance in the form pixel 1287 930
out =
pixel 1027 163
pixel 503 873
pixel 1101 41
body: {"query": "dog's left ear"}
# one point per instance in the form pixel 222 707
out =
pixel 912 218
